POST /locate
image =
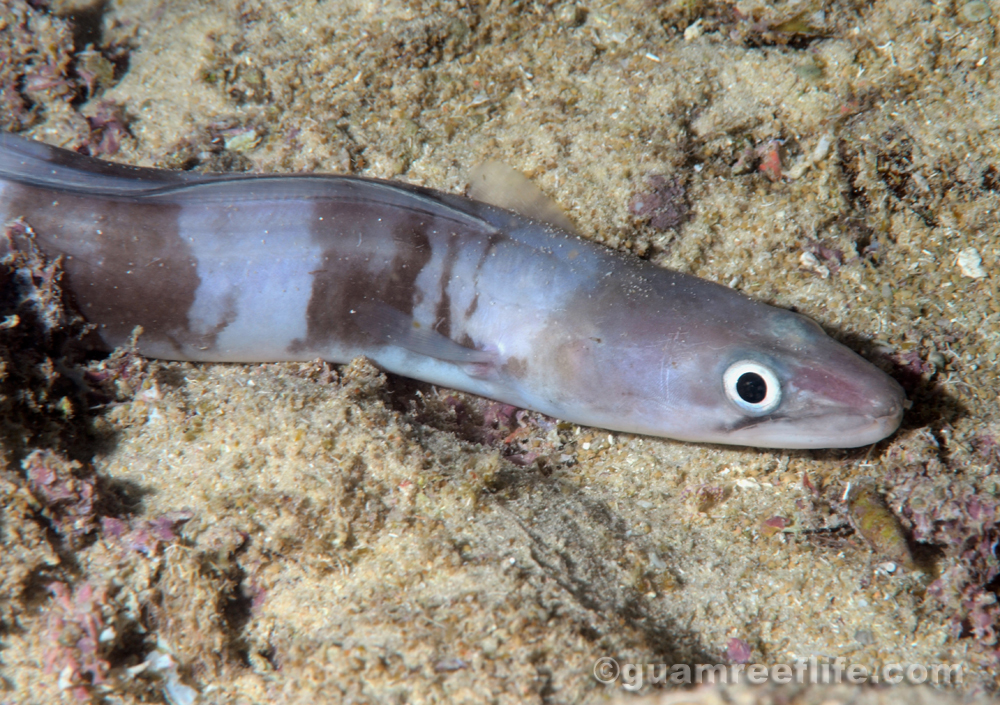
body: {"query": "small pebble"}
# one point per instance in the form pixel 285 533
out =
pixel 450 664
pixel 571 15
pixel 976 11
pixel 872 518
pixel 243 141
pixel 864 637
pixel 809 70
pixel 970 262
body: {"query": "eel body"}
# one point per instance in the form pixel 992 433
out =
pixel 437 287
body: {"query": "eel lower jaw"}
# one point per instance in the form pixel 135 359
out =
pixel 829 430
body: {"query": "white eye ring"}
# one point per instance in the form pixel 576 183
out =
pixel 752 387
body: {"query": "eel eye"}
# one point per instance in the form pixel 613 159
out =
pixel 753 387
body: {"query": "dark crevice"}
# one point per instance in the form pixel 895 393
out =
pixel 119 497
pixel 856 196
pixel 235 604
pixel 88 25
pixel 991 179
pixel 130 645
pixel 34 588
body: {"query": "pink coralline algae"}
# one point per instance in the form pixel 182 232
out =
pixel 77 638
pixel 957 518
pixel 65 489
pixel 774 525
pixel 664 205
pixel 38 291
pixel 145 536
pixel 737 651
pixel 962 587
pixel 36 57
pixel 108 128
pixel 499 421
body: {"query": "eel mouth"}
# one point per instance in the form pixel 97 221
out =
pixel 833 426
pixel 827 430
pixel 839 411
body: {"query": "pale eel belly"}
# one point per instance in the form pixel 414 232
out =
pixel 440 288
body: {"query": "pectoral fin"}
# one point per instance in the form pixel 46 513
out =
pixel 391 327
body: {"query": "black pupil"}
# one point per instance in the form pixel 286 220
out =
pixel 751 387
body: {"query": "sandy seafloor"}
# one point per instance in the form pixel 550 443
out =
pixel 357 538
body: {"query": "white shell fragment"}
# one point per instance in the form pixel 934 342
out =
pixel 811 263
pixel 175 691
pixel 971 263
pixel 808 160
pixel 693 31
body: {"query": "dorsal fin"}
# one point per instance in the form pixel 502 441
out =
pixel 37 164
pixel 499 185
